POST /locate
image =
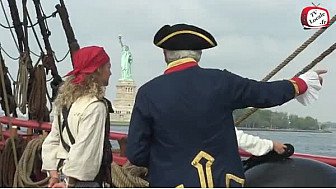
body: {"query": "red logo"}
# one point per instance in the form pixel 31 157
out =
pixel 314 17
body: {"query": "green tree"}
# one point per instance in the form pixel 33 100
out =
pixel 276 120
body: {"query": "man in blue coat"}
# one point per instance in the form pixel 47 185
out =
pixel 182 127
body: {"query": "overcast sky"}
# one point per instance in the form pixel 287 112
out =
pixel 253 38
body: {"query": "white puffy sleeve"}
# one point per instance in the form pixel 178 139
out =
pixel 314 86
pixel 50 147
pixel 253 144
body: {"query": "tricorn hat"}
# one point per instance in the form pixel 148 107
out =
pixel 183 37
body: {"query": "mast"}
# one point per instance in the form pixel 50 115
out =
pixel 26 48
pixel 48 60
pixel 17 23
pixel 70 35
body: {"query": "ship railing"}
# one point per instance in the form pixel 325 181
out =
pixel 119 155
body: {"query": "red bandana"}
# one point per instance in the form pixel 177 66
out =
pixel 87 60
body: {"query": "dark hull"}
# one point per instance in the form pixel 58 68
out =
pixel 291 172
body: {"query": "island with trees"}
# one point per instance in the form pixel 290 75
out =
pixel 269 120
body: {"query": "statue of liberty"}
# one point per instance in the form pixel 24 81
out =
pixel 126 61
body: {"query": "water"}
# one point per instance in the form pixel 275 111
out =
pixel 304 143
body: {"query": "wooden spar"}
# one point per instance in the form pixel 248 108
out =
pixel 17 23
pixel 48 61
pixel 70 35
pixel 20 36
pixel 120 136
pixel 25 39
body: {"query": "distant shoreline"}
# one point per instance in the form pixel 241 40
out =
pixel 119 123
pixel 126 124
pixel 283 130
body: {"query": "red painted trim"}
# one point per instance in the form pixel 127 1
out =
pixel 119 160
pixel 26 123
pixel 180 67
pixel 117 136
pixel 47 126
pixel 6 135
pixel 302 85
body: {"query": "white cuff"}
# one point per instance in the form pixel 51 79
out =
pixel 312 80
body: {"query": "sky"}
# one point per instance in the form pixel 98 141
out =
pixel 253 38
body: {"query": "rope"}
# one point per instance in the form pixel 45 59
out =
pixel 287 60
pixel 304 70
pixel 9 56
pixel 7 110
pixel 25 169
pixel 62 58
pixel 119 178
pixel 22 83
pixel 44 20
pixel 317 60
pixel 9 27
pixel 298 50
pixel 8 164
pixel 37 98
pixel 35 54
pixel 44 17
pixel 136 175
pixel 35 34
pixel 6 73
pixel 6 27
pixel 128 176
pixel 3 9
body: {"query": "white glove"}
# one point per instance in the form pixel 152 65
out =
pixel 312 80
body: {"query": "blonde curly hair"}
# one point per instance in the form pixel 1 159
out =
pixel 68 93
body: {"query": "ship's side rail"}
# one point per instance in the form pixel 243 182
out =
pixel 121 138
pixel 119 158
